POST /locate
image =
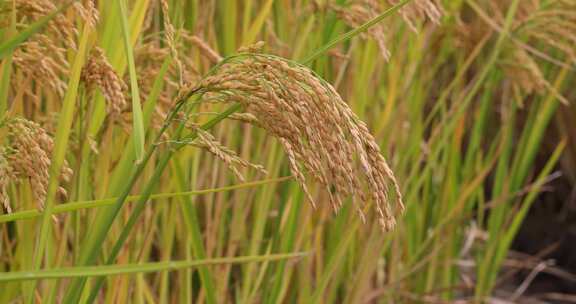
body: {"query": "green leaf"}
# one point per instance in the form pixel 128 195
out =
pixel 256 26
pixel 137 116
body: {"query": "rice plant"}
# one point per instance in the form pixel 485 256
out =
pixel 225 151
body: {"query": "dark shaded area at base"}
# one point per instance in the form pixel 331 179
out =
pixel 549 234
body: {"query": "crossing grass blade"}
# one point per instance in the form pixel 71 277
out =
pixel 137 116
pixel 110 270
pixel 76 206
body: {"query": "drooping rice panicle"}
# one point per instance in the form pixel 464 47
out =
pixel 316 128
pixel 360 12
pixel 28 156
pixel 98 72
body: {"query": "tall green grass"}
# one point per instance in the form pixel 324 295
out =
pixel 174 226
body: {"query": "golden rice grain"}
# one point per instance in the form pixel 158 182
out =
pixel 549 26
pixel 317 129
pixel 47 71
pixel 171 40
pixel 97 72
pixel 525 73
pixel 60 26
pixel 6 175
pixel 88 12
pixel 43 57
pixel 149 60
pixel 360 13
pixel 207 141
pixel 420 9
pixel 28 156
pixel 204 48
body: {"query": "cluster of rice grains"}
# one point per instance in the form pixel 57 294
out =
pixel 97 72
pixel 209 143
pixel 27 155
pixel 554 30
pixel 359 12
pixel 43 57
pixel 419 10
pixel 317 129
pixel 543 32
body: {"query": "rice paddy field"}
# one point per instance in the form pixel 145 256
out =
pixel 287 151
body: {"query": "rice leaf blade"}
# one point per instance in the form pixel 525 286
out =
pixel 137 116
pixel 108 270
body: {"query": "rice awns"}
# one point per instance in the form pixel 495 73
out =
pixel 316 128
